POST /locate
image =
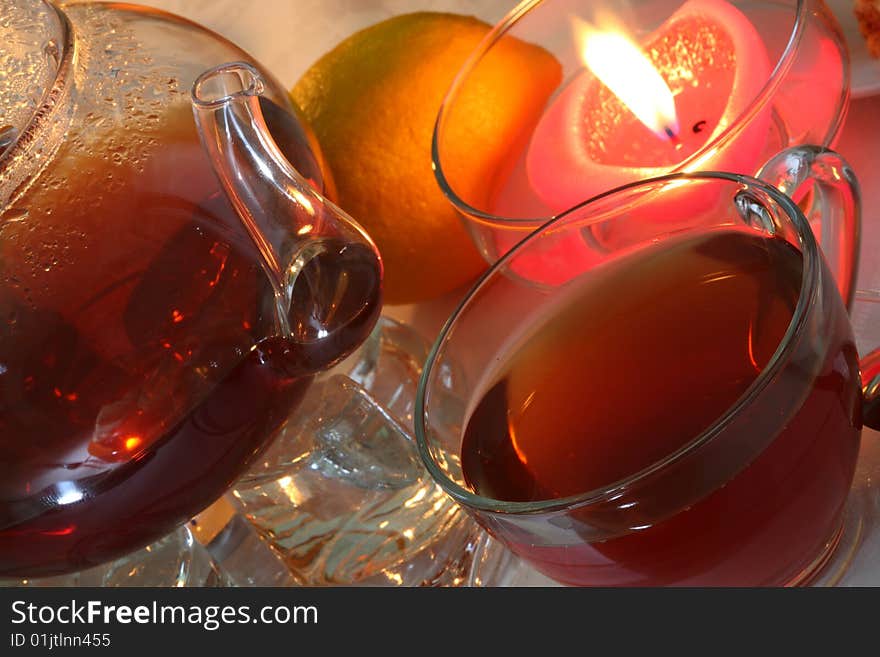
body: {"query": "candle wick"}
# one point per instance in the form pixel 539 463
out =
pixel 673 137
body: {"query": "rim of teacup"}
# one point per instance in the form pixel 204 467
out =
pixel 809 284
pixel 781 68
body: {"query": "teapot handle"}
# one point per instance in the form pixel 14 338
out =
pixel 833 210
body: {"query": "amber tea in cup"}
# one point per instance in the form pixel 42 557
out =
pixel 648 379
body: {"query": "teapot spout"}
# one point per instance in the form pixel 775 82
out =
pixel 325 271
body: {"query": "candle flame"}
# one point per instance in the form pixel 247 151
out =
pixel 620 64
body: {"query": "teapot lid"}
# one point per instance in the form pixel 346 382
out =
pixel 35 36
pixel 35 65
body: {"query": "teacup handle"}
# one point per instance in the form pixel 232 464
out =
pixel 834 210
pixel 870 367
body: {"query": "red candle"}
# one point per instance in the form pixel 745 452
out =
pixel 637 112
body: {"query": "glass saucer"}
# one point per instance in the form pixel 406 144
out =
pixel 853 563
pixel 177 560
pixel 341 497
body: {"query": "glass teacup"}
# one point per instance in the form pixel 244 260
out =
pixel 683 407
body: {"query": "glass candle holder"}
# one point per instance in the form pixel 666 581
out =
pixel 743 81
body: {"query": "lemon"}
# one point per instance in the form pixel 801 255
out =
pixel 372 102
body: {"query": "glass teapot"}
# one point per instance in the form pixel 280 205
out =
pixel 171 276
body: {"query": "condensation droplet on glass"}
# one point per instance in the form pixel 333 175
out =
pixel 52 52
pixel 8 135
pixel 13 215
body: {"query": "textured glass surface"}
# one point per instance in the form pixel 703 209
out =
pixel 342 496
pixel 177 560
